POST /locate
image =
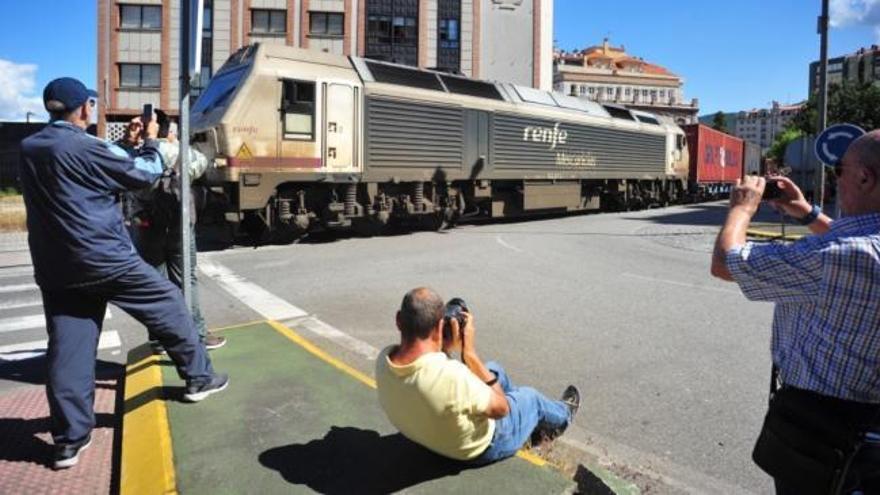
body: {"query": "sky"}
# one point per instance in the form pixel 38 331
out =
pixel 733 55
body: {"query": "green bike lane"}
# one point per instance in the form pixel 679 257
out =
pixel 294 419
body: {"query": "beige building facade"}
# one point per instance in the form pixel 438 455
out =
pixel 761 126
pixel 608 74
pixel 139 41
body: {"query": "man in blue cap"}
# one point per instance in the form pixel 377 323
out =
pixel 822 430
pixel 83 259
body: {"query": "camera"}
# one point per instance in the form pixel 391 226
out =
pixel 455 308
pixel 772 190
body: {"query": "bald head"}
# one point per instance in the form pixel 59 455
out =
pixel 420 311
pixel 865 151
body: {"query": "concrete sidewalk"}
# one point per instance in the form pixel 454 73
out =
pixel 294 419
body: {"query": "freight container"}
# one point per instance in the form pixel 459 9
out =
pixel 751 158
pixel 716 157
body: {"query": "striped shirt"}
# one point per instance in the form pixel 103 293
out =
pixel 826 325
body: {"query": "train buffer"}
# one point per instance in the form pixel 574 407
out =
pixel 294 419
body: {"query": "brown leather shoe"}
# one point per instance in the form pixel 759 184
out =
pixel 214 342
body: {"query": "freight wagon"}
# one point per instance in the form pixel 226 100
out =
pixel 716 160
pixel 304 140
pixel 751 158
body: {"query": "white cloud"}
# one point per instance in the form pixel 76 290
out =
pixel 17 92
pixel 856 13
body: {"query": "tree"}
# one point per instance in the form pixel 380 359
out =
pixel 857 104
pixel 719 122
pixel 777 149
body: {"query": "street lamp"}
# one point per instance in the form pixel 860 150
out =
pixel 27 116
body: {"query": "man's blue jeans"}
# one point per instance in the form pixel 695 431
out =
pixel 528 408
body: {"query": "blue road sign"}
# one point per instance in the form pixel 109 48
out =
pixel 833 142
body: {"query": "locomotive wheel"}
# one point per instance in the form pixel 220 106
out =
pixel 288 234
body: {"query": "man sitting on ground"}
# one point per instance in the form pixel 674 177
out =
pixel 468 412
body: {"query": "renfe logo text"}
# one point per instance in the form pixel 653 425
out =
pixel 550 135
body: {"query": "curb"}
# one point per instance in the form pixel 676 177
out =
pixel 147 465
pixel 773 235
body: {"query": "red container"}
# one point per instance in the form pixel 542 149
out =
pixel 716 157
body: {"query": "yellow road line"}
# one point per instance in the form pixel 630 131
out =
pixel 147 455
pixel 237 325
pixel 357 375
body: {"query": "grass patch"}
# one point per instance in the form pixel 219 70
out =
pixel 13 217
pixel 9 192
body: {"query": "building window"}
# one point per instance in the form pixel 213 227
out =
pixel 268 21
pixel 448 32
pixel 145 17
pixel 392 32
pixel 139 76
pixel 326 23
pixel 298 110
pixel 627 91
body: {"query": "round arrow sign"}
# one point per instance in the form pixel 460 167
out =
pixel 833 142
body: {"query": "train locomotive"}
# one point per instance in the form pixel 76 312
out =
pixel 307 140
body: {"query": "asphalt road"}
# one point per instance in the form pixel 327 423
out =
pixel 673 365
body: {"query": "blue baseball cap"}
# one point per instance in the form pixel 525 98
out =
pixel 65 94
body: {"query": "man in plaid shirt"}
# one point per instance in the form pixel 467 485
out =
pixel 826 325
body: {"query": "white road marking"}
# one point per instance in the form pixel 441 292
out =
pixel 26 350
pixel 18 288
pixel 257 298
pixel 501 241
pixel 16 271
pixel 680 284
pixel 20 303
pixel 273 307
pixel 22 323
pixel 29 322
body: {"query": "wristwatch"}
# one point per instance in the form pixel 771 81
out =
pixel 811 216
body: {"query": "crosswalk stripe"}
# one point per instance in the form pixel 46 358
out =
pixel 18 288
pixel 27 350
pixel 28 322
pixel 18 271
pixel 21 323
pixel 20 303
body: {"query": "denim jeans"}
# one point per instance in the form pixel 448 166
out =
pixel 528 408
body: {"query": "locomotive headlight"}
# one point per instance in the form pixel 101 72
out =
pixel 250 180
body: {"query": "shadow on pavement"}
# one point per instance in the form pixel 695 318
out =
pixel 351 460
pixel 588 482
pixel 708 214
pixel 21 443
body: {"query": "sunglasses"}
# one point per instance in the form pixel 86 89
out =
pixel 93 102
pixel 836 169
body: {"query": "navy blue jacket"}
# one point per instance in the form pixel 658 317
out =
pixel 71 183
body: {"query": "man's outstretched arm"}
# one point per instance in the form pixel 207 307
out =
pixel 745 198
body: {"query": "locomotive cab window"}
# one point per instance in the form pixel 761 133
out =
pixel 298 109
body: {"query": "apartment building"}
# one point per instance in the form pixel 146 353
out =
pixel 762 125
pixel 608 74
pixel 139 41
pixel 860 67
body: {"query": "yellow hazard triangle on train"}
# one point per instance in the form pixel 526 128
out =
pixel 244 152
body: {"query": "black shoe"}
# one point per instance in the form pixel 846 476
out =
pixel 196 391
pixel 572 399
pixel 67 454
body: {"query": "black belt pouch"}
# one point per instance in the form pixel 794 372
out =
pixel 808 440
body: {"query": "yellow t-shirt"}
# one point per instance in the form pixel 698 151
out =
pixel 436 402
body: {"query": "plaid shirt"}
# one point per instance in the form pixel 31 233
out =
pixel 826 326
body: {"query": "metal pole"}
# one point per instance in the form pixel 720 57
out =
pixel 823 91
pixel 185 35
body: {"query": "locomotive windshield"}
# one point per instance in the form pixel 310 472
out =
pixel 222 86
